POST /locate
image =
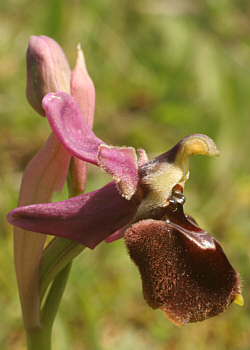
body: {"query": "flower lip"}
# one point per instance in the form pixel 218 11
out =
pixel 176 219
pixel 184 270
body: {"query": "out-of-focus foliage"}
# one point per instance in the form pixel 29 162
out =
pixel 162 70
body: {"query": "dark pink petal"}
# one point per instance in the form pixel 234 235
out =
pixel 70 126
pixel 72 130
pixel 121 163
pixel 87 219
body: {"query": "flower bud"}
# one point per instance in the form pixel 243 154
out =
pixel 47 70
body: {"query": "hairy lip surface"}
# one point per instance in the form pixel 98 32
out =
pixel 184 270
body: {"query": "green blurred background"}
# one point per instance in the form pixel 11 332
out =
pixel 162 70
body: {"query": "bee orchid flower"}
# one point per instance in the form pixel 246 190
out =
pixel 184 270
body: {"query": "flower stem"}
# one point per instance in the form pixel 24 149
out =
pixel 51 305
pixel 40 338
pixel 58 253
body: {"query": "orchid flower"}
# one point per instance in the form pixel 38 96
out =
pixel 184 270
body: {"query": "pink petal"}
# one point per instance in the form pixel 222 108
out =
pixel 117 235
pixel 70 126
pixel 87 219
pixel 73 132
pixel 83 91
pixel 82 88
pixel 121 163
pixel 143 156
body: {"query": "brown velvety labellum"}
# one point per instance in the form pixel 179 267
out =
pixel 187 280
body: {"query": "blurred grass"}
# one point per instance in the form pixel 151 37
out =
pixel 162 70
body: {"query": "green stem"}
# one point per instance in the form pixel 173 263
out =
pixel 56 256
pixel 40 337
pixel 51 305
